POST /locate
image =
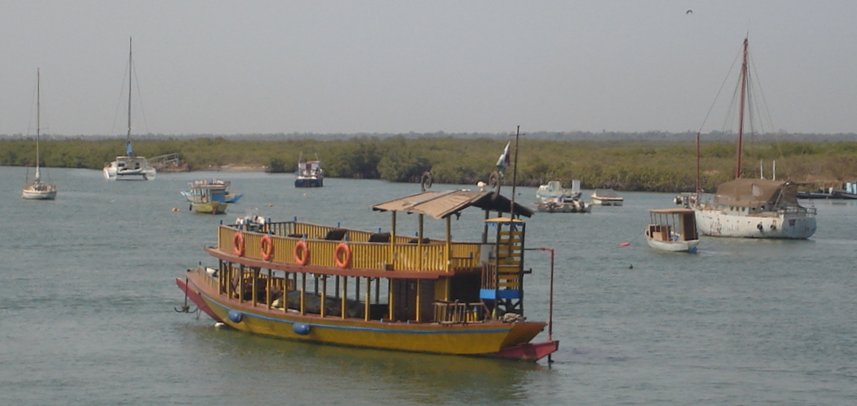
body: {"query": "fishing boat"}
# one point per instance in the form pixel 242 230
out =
pixel 553 198
pixel 202 200
pixel 309 173
pixel 38 190
pixel 752 208
pixel 563 204
pixel 218 190
pixel 672 230
pixel 607 197
pixel 129 166
pixel 384 290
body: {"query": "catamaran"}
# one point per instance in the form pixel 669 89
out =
pixel 129 166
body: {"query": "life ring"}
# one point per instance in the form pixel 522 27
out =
pixel 238 244
pixel 342 256
pixel 301 253
pixel 267 247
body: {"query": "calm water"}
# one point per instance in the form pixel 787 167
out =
pixel 87 298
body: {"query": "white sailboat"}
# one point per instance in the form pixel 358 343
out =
pixel 129 166
pixel 38 190
pixel 752 208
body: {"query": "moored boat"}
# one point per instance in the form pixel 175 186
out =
pixel 562 204
pixel 380 290
pixel 218 190
pixel 129 166
pixel 202 201
pixel 38 190
pixel 309 173
pixel 607 197
pixel 672 230
pixel 752 208
pixel 553 198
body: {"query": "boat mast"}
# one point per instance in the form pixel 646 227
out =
pixel 739 148
pixel 129 151
pixel 514 174
pixel 38 121
pixel 697 163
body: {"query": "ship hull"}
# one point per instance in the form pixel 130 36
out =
pixel 720 223
pixel 493 339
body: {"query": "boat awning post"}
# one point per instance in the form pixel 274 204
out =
pixel 421 218
pixel 418 298
pixel 392 256
pixel 448 247
pixel 485 227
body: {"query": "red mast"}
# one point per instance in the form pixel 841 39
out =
pixel 740 146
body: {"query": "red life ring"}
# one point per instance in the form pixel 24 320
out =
pixel 238 244
pixel 267 246
pixel 342 256
pixel 301 253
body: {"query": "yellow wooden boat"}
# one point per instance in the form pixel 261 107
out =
pixel 357 288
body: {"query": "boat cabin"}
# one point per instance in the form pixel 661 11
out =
pixel 347 273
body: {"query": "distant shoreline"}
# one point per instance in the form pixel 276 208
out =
pixel 641 165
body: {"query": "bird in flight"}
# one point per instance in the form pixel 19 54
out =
pixel 689 11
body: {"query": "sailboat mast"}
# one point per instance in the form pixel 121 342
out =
pixel 128 137
pixel 697 163
pixel 740 146
pixel 38 119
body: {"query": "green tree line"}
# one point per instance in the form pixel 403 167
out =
pixel 666 166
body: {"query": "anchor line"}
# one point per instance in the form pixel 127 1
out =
pixel 185 308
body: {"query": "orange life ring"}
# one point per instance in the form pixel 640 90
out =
pixel 342 256
pixel 267 246
pixel 301 253
pixel 238 244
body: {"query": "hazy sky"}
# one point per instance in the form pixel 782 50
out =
pixel 226 67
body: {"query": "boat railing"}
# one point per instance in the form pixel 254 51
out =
pixel 810 211
pixel 367 252
pixel 459 312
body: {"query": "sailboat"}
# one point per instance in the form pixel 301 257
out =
pixel 37 190
pixel 752 208
pixel 129 166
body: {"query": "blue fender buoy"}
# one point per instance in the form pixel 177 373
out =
pixel 301 328
pixel 236 316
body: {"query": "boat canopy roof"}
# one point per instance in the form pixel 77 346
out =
pixel 677 210
pixel 443 204
pixel 751 192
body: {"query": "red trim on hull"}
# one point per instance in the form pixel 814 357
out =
pixel 196 299
pixel 529 351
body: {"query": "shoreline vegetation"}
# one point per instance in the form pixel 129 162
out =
pixel 634 164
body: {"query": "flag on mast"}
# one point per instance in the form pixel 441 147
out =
pixel 503 161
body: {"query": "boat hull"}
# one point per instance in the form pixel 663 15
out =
pixel 309 182
pixel 496 338
pixel 564 207
pixel 606 202
pixel 129 168
pixel 30 194
pixel 714 222
pixel 673 246
pixel 213 207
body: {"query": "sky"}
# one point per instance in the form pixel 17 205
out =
pixel 250 67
